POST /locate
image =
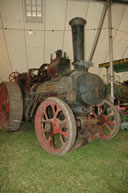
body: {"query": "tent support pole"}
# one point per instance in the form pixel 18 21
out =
pixel 110 50
pixel 98 32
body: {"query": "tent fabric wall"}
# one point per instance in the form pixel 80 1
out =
pixel 20 50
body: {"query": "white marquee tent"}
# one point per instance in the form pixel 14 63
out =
pixel 25 45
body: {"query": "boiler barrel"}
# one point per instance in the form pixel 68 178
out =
pixel 77 25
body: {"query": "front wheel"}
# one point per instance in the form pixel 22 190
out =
pixel 55 126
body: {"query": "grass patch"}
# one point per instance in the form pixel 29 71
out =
pixel 99 167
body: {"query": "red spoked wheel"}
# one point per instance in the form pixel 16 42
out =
pixel 13 76
pixel 55 126
pixel 109 119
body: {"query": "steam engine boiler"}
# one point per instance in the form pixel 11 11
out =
pixel 69 107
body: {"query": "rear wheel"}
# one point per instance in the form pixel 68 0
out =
pixel 11 106
pixel 55 126
pixel 109 119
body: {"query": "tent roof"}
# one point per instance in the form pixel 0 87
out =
pixel 20 50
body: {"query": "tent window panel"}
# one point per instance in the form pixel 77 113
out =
pixel 38 8
pixel 34 10
pixel 39 14
pixel 28 8
pixel 29 14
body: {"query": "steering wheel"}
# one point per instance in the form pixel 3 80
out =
pixel 13 76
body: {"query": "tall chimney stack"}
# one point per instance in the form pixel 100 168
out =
pixel 77 25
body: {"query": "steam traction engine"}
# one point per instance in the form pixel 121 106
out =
pixel 68 106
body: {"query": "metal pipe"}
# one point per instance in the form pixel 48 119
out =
pixel 77 25
pixel 107 75
pixel 98 32
pixel 110 50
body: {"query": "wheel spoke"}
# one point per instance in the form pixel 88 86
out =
pixel 55 115
pixel 107 120
pixel 102 130
pixel 11 78
pixel 62 140
pixel 60 132
pixel 110 115
pixel 46 116
pixel 42 129
pixel 100 110
pixel 93 114
pixel 111 122
pixel 57 111
pixel 63 124
pixel 12 75
pixel 53 144
pixel 51 141
pixel 53 108
pixel 110 129
pixel 44 121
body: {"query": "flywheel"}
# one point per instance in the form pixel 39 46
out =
pixel 11 106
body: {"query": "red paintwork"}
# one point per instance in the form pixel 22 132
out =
pixel 52 71
pixel 7 107
pixel 4 106
pixel 104 121
pixel 47 140
pixel 12 77
pixel 3 93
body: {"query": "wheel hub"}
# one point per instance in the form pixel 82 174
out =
pixel 101 119
pixel 49 128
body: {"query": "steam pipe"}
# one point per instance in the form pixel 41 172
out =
pixel 77 25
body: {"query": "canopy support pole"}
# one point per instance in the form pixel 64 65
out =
pixel 110 50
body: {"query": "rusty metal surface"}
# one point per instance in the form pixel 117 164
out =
pixel 77 25
pixel 79 143
pixel 52 70
pixel 12 106
pixel 4 106
pixel 59 66
pixel 47 87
